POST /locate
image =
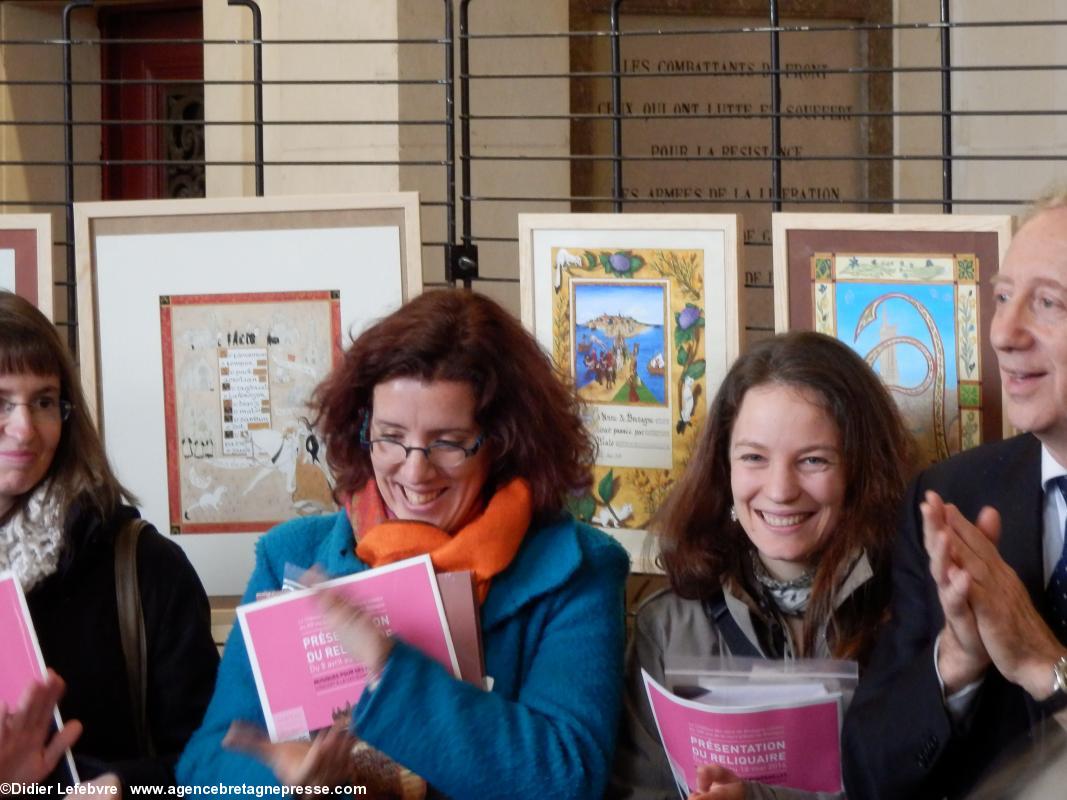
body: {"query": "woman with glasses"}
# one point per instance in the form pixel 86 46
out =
pixel 61 508
pixel 448 432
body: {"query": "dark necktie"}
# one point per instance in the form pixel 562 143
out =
pixel 1056 593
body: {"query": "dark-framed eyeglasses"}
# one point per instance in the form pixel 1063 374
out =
pixel 42 409
pixel 446 455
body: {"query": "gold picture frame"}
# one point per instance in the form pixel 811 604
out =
pixel 641 312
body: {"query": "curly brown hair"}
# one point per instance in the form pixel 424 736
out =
pixel 704 549
pixel 29 343
pixel 531 419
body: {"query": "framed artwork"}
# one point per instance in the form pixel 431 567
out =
pixel 26 259
pixel 641 312
pixel 204 328
pixel 912 294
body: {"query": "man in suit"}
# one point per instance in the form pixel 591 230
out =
pixel 970 662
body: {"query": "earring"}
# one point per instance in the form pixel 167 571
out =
pixel 733 514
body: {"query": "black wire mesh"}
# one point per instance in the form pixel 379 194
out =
pixel 670 106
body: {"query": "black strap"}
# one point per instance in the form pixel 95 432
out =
pixel 728 628
pixel 131 630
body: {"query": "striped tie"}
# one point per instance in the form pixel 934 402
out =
pixel 1056 593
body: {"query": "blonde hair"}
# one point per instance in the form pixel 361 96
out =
pixel 1050 200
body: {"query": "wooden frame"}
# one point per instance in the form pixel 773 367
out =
pixel 26 259
pixel 643 313
pixel 928 272
pixel 171 292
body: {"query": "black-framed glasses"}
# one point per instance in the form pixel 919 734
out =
pixel 42 409
pixel 446 455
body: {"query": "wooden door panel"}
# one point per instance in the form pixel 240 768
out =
pixel 134 99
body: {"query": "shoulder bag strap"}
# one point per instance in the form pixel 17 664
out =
pixel 131 629
pixel 728 628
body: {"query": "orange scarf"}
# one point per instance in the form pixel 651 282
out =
pixel 485 546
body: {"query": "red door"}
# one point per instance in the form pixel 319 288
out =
pixel 160 81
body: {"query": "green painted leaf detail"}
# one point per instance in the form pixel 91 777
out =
pixel 696 369
pixel 582 508
pixel 607 487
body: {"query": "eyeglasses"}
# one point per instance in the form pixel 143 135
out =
pixel 42 409
pixel 446 455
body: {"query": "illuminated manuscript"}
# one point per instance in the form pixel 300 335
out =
pixel 238 373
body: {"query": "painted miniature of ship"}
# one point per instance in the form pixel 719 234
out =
pixel 656 365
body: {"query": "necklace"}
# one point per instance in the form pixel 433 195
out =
pixel 789 597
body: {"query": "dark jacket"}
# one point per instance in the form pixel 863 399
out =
pixel 899 739
pixel 75 614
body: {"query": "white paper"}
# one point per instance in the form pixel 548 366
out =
pixel 133 270
pixel 7 270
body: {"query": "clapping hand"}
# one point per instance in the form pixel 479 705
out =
pixel 962 656
pixel 361 638
pixel 327 760
pixel 989 614
pixel 324 761
pixel 29 750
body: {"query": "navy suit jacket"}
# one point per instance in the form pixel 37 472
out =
pixel 899 741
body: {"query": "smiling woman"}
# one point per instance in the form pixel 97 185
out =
pixel 777 537
pixel 31 422
pixel 449 433
pixel 788 480
pixel 441 486
pixel 61 510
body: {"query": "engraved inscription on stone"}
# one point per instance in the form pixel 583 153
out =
pixel 702 137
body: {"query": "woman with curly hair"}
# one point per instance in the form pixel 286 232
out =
pixel 449 433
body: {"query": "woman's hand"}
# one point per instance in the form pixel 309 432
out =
pixel 717 783
pixel 28 749
pixel 360 637
pixel 325 761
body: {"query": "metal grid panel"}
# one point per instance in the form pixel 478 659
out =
pixel 522 115
pixel 619 28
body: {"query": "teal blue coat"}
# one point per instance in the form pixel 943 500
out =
pixel 553 631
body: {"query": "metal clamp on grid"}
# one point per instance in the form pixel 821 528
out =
pixel 461 263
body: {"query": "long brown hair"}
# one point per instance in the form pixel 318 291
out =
pixel 29 343
pixel 530 418
pixel 703 549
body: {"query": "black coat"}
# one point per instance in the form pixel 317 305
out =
pixel 899 741
pixel 76 616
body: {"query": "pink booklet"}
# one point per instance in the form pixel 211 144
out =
pixel 304 676
pixel 21 662
pixel 793 743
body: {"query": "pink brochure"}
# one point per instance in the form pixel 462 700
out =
pixel 21 662
pixel 794 744
pixel 303 675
